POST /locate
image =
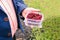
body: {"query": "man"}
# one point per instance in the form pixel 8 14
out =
pixel 21 10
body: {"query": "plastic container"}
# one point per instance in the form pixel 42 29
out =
pixel 34 22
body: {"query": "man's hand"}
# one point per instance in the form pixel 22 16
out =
pixel 29 10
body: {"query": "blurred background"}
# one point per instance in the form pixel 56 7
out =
pixel 51 23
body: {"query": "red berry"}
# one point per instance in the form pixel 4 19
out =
pixel 34 16
pixel 30 16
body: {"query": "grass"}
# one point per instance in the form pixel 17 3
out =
pixel 51 24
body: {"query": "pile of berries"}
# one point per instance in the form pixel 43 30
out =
pixel 34 16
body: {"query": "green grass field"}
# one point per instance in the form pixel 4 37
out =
pixel 51 24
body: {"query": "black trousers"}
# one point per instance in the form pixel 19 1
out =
pixel 14 38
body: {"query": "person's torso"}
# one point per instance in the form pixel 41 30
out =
pixel 5 30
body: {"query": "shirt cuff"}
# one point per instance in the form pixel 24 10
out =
pixel 20 8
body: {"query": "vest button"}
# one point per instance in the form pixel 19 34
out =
pixel 9 34
pixel 6 19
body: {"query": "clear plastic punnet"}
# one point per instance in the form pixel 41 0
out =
pixel 34 19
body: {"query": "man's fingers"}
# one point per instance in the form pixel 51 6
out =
pixel 35 10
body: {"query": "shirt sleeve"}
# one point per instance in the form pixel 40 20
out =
pixel 19 7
